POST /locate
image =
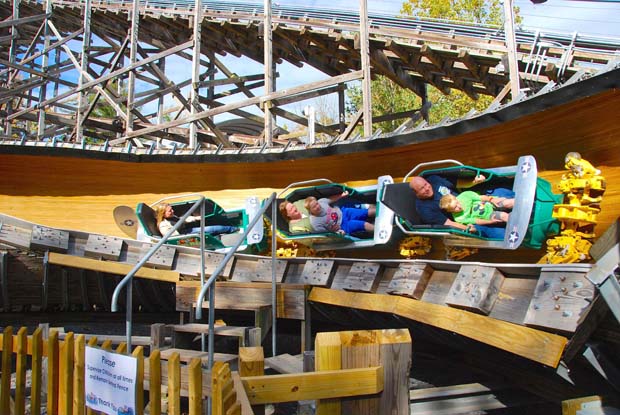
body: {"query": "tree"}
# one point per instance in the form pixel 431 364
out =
pixel 387 97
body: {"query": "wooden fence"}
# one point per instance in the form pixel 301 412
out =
pixel 63 392
pixel 349 370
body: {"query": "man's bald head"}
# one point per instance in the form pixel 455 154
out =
pixel 421 187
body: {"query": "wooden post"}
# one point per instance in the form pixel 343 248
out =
pixel 5 383
pixel 252 363
pixel 155 382
pixel 306 323
pixel 44 65
pixel 65 382
pixel 20 370
pixel 223 395
pixel 195 89
pixel 268 62
pixel 36 377
pixel 390 349
pixel 82 102
pixel 174 385
pixel 195 386
pixel 157 336
pixel 511 46
pixel 52 372
pixel 133 51
pixel 92 342
pixel 138 353
pixel 365 57
pixel 4 280
pixel 327 354
pixel 121 348
pixel 78 375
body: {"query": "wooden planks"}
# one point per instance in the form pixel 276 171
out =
pixel 410 280
pixel 49 239
pixel 161 259
pixel 391 349
pixel 362 277
pixel 318 272
pixel 475 288
pixel 103 247
pixel 14 236
pixel 536 345
pixel 559 300
pixel 313 385
pixel 112 267
pixel 235 295
pixel 261 271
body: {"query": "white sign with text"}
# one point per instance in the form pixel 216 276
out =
pixel 110 384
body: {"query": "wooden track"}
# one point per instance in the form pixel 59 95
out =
pixel 78 189
pixel 512 312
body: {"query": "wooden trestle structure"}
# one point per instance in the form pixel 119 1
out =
pixel 542 318
pixel 80 48
pixel 540 328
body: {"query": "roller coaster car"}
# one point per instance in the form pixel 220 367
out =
pixel 530 221
pixel 214 215
pixel 357 197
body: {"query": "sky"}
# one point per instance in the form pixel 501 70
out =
pixel 558 16
pixel 565 16
pixel 599 18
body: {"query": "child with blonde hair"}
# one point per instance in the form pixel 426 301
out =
pixel 324 217
pixel 470 208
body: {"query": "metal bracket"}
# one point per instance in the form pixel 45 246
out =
pixel 604 275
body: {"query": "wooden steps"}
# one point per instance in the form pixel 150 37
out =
pixel 186 355
pixel 285 363
pixel 183 335
pixel 262 312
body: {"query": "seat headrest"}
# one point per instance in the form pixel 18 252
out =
pixel 147 216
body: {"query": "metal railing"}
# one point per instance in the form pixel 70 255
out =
pixel 129 277
pixel 209 284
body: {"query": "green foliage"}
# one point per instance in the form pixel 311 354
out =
pixel 453 106
pixel 463 11
pixel 389 98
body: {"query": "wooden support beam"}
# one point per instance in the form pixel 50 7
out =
pixel 470 63
pixel 251 101
pixel 252 363
pixel 314 385
pixel 302 120
pixel 354 121
pixel 4 280
pixel 390 349
pixel 111 267
pixel 536 345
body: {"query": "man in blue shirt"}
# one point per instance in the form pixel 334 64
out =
pixel 431 189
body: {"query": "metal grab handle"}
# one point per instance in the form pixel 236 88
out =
pixel 431 163
pixel 218 270
pixel 129 277
pixel 297 184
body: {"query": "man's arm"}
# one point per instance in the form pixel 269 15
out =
pixel 467 183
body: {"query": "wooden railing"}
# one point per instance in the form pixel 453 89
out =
pixel 64 363
pixel 57 373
